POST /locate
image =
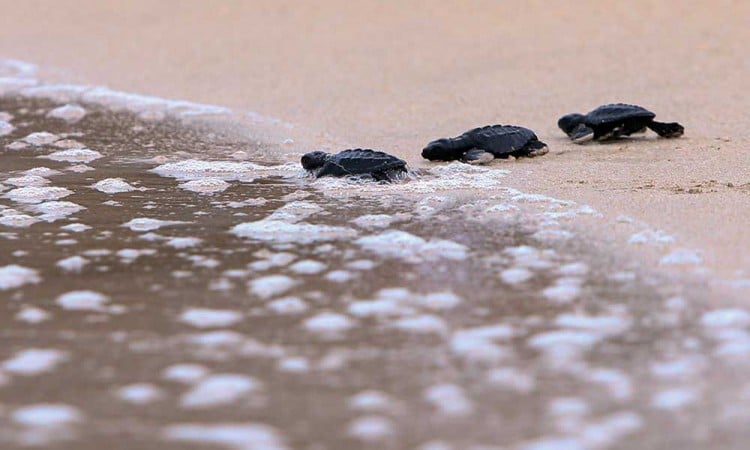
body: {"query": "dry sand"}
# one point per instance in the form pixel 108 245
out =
pixel 393 76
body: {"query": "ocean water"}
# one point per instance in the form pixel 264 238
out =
pixel 166 283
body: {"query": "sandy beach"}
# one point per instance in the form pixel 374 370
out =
pixel 393 76
pixel 169 281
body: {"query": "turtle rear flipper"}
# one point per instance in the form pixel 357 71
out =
pixel 581 134
pixel 667 130
pixel 477 156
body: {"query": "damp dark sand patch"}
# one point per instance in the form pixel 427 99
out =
pixel 225 305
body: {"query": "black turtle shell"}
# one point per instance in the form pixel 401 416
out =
pixel 365 161
pixel 617 113
pixel 499 139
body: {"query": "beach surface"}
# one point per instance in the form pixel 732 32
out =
pixel 170 277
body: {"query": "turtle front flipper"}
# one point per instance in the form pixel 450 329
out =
pixel 666 130
pixel 581 134
pixel 331 169
pixel 477 156
pixel 534 148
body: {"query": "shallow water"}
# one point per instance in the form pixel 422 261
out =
pixel 239 304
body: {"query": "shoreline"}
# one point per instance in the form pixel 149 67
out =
pixel 617 200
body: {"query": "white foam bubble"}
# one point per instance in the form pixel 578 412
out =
pixel 84 300
pixel 361 264
pixel 565 290
pixel 81 168
pixel 271 260
pixel 674 399
pixel 328 323
pixel 56 210
pixel 441 445
pixel 372 401
pixel 37 194
pixel 478 344
pixel 611 429
pixel 371 428
pixel 194 169
pixel 113 186
pixel 411 248
pixel 726 318
pixel 27 180
pixel 288 305
pixel 562 345
pixel 675 369
pixel 6 128
pixel 511 379
pixel 449 399
pixel 205 185
pixel 13 276
pixel 34 361
pixel 140 393
pixel 73 263
pixel 295 364
pixel 219 389
pixel 228 435
pixel 308 267
pixel 527 256
pixel 41 138
pixel 184 242
pixel 284 233
pixel 74 155
pixel 44 172
pixel 379 308
pixel 561 443
pixel 681 257
pixel 44 415
pixel 374 221
pixel 57 92
pixel 422 324
pixel 129 255
pixel 69 113
pixel 652 237
pixel 339 276
pixel 515 275
pixel 140 224
pixel 31 314
pixel 15 219
pixel 185 373
pixel 270 286
pixel 210 318
pixel 604 325
pixel 13 84
pixel 68 143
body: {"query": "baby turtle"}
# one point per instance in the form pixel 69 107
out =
pixel 615 121
pixel 379 165
pixel 482 145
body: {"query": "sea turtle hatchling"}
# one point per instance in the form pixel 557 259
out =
pixel 615 121
pixel 379 165
pixel 482 145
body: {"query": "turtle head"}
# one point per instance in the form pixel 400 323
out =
pixel 314 160
pixel 569 122
pixel 440 150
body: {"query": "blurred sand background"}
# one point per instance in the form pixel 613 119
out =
pixel 394 75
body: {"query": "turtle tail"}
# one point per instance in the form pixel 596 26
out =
pixel 667 130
